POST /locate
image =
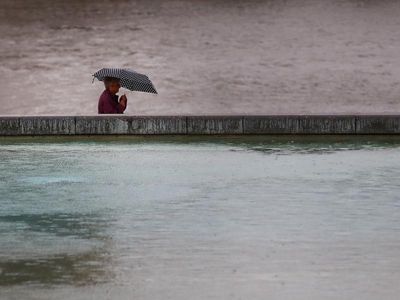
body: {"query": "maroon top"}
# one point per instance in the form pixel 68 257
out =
pixel 108 104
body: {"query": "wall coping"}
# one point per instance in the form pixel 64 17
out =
pixel 192 124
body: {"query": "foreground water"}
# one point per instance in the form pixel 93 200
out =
pixel 231 218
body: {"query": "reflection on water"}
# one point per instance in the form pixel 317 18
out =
pixel 87 226
pixel 200 218
pixel 51 180
pixel 312 148
pixel 55 266
pixel 85 268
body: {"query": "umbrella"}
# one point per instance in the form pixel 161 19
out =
pixel 129 79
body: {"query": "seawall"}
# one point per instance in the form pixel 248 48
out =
pixel 199 124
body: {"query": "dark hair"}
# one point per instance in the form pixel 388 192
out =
pixel 108 80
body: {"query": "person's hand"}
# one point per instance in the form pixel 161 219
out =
pixel 123 100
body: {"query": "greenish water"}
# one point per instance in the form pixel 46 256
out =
pixel 200 218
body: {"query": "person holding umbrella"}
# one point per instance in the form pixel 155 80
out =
pixel 108 101
pixel 114 79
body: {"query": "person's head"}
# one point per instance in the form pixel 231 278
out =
pixel 112 84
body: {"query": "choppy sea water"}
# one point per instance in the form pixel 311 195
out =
pixel 220 218
pixel 213 56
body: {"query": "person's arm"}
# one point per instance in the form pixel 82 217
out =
pixel 120 108
pixel 122 104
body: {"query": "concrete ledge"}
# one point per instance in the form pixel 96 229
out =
pixel 9 126
pixel 270 124
pixel 194 125
pixel 101 125
pixel 44 125
pixel 130 125
pixel 214 125
pixel 158 125
pixel 47 125
pixel 327 125
pixel 378 124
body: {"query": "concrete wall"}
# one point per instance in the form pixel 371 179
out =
pixel 246 124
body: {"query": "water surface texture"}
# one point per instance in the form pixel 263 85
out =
pixel 211 57
pixel 228 218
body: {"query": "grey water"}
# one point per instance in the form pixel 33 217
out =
pixel 209 56
pixel 199 218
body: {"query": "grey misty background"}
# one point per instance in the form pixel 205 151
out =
pixel 211 57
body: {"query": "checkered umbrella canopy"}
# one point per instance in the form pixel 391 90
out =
pixel 129 79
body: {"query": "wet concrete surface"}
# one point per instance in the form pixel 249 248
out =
pixel 205 57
